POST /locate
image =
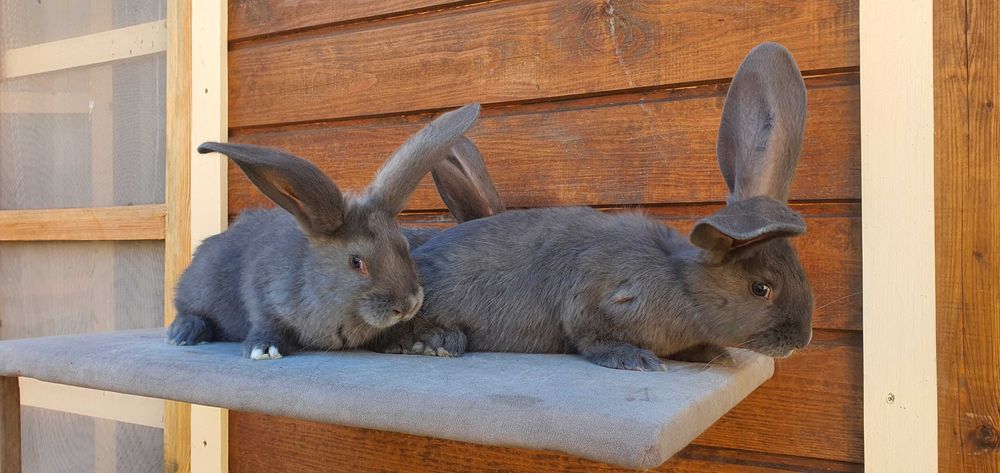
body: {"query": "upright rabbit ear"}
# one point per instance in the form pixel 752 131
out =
pixel 411 162
pixel 465 185
pixel 291 182
pixel 760 135
pixel 760 138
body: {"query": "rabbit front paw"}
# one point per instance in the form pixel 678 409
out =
pixel 264 352
pixel 622 356
pixel 439 342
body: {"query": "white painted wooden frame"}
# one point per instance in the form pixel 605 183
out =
pixel 209 122
pixel 897 166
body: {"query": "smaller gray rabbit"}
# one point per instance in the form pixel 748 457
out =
pixel 622 290
pixel 327 270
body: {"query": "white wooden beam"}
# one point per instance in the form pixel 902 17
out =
pixel 209 122
pixel 89 402
pixel 897 186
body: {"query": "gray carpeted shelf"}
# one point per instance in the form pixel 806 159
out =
pixel 550 402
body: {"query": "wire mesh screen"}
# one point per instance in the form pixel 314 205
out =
pixel 60 288
pixel 59 442
pixel 75 136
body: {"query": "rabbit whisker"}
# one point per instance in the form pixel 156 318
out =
pixel 838 300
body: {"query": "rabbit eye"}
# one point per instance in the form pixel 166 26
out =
pixel 359 265
pixel 762 290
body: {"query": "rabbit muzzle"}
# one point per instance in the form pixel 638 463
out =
pixel 407 309
pixel 384 310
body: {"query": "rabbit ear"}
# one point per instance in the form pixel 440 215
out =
pixel 411 162
pixel 744 224
pixel 291 182
pixel 760 135
pixel 465 185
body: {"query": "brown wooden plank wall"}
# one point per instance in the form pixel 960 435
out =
pixel 613 104
pixel 966 197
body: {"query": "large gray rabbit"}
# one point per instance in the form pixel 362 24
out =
pixel 620 289
pixel 327 270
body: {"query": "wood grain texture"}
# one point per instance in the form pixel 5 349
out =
pixel 137 222
pixel 251 18
pixel 10 425
pixel 176 415
pixel 176 437
pixel 967 195
pixel 613 104
pixel 519 51
pixel 647 148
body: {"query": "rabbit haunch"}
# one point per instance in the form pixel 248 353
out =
pixel 327 270
pixel 622 290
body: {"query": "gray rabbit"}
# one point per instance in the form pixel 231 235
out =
pixel 620 289
pixel 326 270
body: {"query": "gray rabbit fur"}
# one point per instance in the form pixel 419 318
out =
pixel 324 271
pixel 622 290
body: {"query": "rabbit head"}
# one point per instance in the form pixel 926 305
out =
pixel 355 238
pixel 749 270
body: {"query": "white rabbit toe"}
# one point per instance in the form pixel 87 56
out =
pixel 265 353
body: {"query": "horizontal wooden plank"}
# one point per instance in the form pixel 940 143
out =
pixel 250 18
pixel 523 51
pixel 136 222
pixel 699 459
pixel 334 448
pixel 811 408
pixel 97 48
pixel 648 148
pixel 92 403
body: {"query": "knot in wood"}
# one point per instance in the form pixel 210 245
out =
pixel 987 437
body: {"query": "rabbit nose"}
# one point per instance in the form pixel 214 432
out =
pixel 405 308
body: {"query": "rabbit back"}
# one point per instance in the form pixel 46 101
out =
pixel 541 275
